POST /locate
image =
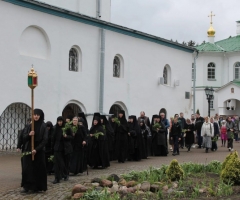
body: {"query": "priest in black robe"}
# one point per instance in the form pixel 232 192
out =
pixel 114 127
pixel 146 136
pixel 122 137
pixel 158 137
pixel 98 153
pixel 77 163
pixel 34 173
pixel 49 148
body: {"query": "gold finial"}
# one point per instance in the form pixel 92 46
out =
pixel 211 32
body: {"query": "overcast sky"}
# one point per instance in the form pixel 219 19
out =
pixel 181 20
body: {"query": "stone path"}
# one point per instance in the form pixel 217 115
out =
pixel 10 172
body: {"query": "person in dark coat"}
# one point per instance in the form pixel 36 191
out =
pixel 98 152
pixel 49 148
pixel 216 133
pixel 62 149
pixel 198 127
pixel 146 134
pixel 145 118
pixel 82 116
pixel 114 127
pixel 183 124
pixel 158 137
pixel 77 161
pixel 122 137
pixel 134 139
pixel 110 136
pixel 175 135
pixel 189 134
pixel 34 173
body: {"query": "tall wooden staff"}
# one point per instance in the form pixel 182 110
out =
pixel 32 83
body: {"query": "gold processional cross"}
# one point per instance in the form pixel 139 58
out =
pixel 211 15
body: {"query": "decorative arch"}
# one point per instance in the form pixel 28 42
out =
pixel 34 42
pixel 118 66
pixel 236 70
pixel 167 74
pixel 12 122
pixel 75 59
pixel 73 107
pixel 116 107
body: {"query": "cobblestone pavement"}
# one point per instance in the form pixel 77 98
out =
pixel 10 172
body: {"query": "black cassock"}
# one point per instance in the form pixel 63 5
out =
pixel 122 140
pixel 159 141
pixel 134 142
pixel 98 150
pixel 112 148
pixel 34 173
pixel 78 162
pixel 189 139
pixel 146 136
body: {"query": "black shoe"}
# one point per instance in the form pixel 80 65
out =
pixel 206 150
pixel 178 153
pixel 56 181
pixel 66 178
pixel 24 190
pixel 174 154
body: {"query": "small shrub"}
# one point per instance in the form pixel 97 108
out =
pixel 231 171
pixel 228 158
pixel 174 171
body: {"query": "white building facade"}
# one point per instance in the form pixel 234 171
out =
pixel 84 64
pixel 218 66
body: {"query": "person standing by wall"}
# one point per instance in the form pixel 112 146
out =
pixel 175 135
pixel 198 127
pixel 231 128
pixel 207 132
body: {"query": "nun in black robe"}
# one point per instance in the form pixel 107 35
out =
pixel 134 139
pixel 78 163
pixel 110 135
pixel 122 138
pixel 62 150
pixel 146 135
pixel 158 137
pixel 49 148
pixel 189 134
pixel 114 125
pixel 98 152
pixel 34 173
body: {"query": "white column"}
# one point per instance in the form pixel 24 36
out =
pixel 211 39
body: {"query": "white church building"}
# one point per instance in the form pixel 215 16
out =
pixel 84 63
pixel 218 66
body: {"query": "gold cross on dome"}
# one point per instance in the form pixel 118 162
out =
pixel 211 15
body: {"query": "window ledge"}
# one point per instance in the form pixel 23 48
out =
pixel 212 109
pixel 167 85
pixel 209 79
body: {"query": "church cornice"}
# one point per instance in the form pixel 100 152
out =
pixel 52 10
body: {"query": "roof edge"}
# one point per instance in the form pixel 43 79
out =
pixel 56 11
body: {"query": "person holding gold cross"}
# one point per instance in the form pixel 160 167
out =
pixel 34 173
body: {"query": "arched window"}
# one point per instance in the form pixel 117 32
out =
pixel 167 75
pixel 73 60
pixel 71 109
pixel 211 70
pixel 116 67
pixel 237 70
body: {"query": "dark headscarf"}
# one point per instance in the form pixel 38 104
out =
pixel 82 116
pixel 38 124
pixel 144 125
pixel 95 128
pixel 70 117
pixel 96 115
pixel 106 123
pixel 123 119
pixel 155 117
pixel 60 118
pixel 49 124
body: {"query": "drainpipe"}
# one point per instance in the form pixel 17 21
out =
pixel 102 61
pixel 194 83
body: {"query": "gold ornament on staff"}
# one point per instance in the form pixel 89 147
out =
pixel 32 83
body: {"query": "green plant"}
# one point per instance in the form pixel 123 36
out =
pixel 174 171
pixel 224 189
pixel 231 171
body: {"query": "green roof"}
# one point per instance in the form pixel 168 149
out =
pixel 236 82
pixel 230 44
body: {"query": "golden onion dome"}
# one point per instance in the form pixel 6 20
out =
pixel 211 31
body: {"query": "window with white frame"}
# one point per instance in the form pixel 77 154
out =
pixel 211 70
pixel 73 60
pixel 237 70
pixel 211 105
pixel 116 67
